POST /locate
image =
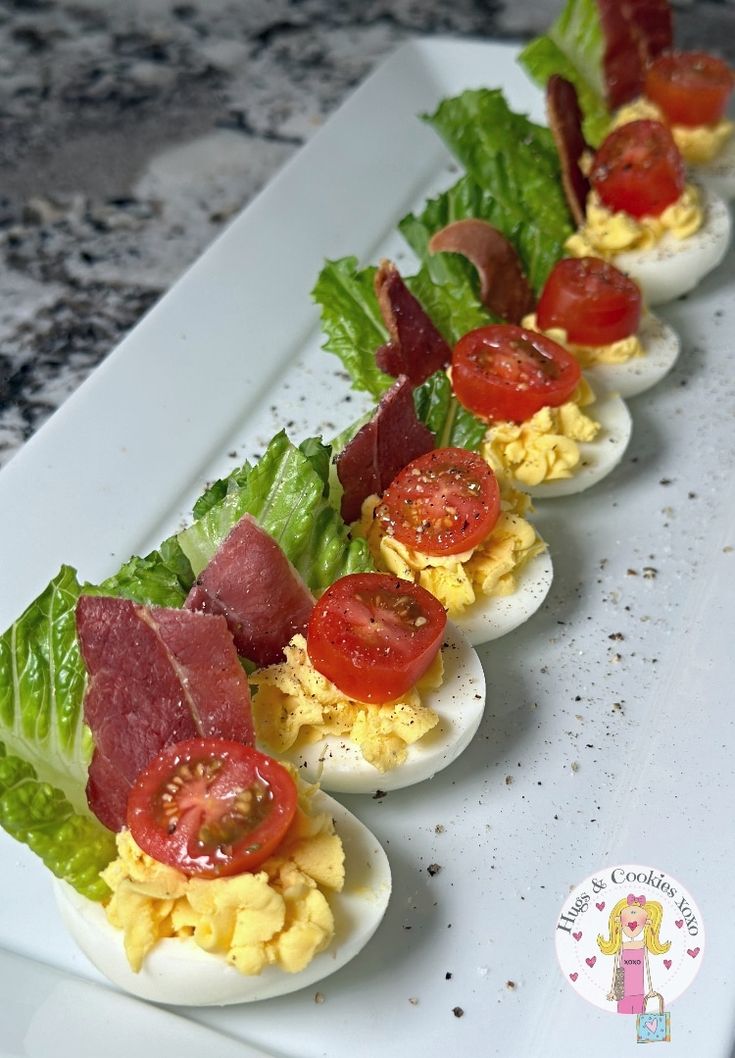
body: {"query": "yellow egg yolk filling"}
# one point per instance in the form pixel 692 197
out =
pixel 491 568
pixel 275 916
pixel 698 144
pixel 588 355
pixel 546 446
pixel 294 704
pixel 606 233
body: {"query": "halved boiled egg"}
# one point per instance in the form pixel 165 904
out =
pixel 598 457
pixel 675 266
pixel 493 616
pixel 179 972
pixel 660 344
pixel 338 764
pixel 719 174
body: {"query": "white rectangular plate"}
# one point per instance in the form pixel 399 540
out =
pixel 560 781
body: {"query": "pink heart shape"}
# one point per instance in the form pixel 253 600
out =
pixel 651 1024
pixel 577 936
pixel 593 959
pixel 679 923
pixel 633 925
pixel 600 907
pixel 573 976
pixel 694 952
pixel 667 963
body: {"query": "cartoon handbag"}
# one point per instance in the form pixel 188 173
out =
pixel 653 1027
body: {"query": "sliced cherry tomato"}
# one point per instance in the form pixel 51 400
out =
pixel 508 372
pixel 445 502
pixel 691 87
pixel 638 169
pixel 211 807
pixel 591 299
pixel 374 635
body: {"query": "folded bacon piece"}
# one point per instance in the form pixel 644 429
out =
pixel 393 437
pixel 565 122
pixel 416 348
pixel 504 289
pixel 253 585
pixel 635 31
pixel 156 676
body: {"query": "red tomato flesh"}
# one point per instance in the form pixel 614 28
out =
pixel 374 635
pixel 211 807
pixel 508 372
pixel 592 300
pixel 638 169
pixel 445 502
pixel 691 87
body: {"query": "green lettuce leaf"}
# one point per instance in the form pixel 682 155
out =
pixel 351 321
pixel 74 846
pixel 162 578
pixel 354 326
pixel 515 163
pixel 574 48
pixel 538 249
pixel 45 746
pixel 42 681
pixel 438 408
pixel 217 491
pixel 284 492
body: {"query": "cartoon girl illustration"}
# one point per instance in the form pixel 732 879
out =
pixel 633 929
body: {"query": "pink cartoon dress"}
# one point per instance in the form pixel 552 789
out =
pixel 632 961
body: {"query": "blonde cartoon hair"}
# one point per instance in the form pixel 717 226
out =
pixel 651 941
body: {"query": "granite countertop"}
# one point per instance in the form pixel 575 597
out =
pixel 133 132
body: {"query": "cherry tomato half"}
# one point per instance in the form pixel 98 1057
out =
pixel 374 635
pixel 691 87
pixel 211 807
pixel 508 372
pixel 445 502
pixel 591 299
pixel 638 169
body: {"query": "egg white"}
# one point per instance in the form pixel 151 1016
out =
pixel 338 765
pixel 719 174
pixel 493 616
pixel 661 347
pixel 179 972
pixel 675 266
pixel 598 457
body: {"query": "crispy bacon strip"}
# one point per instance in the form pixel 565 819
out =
pixel 393 437
pixel 504 289
pixel 565 122
pixel 635 31
pixel 156 676
pixel 652 25
pixel 252 584
pixel 416 348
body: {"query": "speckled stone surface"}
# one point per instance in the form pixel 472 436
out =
pixel 132 132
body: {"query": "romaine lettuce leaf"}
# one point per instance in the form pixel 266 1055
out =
pixel 538 248
pixel 511 159
pixel 73 846
pixel 45 746
pixel 162 578
pixel 574 47
pixel 354 326
pixel 352 322
pixel 217 491
pixel 42 680
pixel 284 491
pixel 438 408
